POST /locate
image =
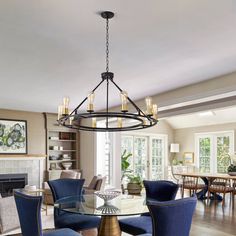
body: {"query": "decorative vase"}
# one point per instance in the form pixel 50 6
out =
pixel 67 165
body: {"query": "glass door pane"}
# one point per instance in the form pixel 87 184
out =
pixel 140 156
pixel 157 159
pixel 223 150
pixel 204 154
pixel 127 144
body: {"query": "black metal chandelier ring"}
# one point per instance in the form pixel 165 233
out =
pixel 103 115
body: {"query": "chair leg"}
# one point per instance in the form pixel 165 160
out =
pixel 223 202
pixel 182 192
pixel 232 200
pixel 208 196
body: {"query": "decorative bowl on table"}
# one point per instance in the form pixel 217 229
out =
pixel 107 195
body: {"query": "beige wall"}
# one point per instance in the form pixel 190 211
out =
pixel 185 137
pixel 162 127
pixel 87 154
pixel 35 128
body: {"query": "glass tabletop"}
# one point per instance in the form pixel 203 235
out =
pixel 91 204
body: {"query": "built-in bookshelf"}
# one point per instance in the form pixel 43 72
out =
pixel 62 147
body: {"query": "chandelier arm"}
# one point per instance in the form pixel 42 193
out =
pixel 85 98
pixel 137 108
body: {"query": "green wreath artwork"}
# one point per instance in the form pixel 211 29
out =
pixel 13 137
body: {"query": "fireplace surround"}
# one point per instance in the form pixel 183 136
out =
pixel 32 165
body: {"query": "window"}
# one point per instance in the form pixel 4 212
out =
pixel 148 154
pixel 204 154
pixel 105 155
pixel 213 150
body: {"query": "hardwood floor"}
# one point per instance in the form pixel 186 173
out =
pixel 211 219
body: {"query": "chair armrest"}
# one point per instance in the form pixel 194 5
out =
pixel 89 191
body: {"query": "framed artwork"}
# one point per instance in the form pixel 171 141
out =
pixel 188 157
pixel 13 136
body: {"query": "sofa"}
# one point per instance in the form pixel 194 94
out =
pixel 8 215
pixel 97 184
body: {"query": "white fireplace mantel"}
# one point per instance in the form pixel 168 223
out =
pixel 33 165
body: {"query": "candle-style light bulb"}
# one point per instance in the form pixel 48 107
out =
pixel 124 101
pixel 94 122
pixel 144 121
pixel 66 101
pixel 90 107
pixel 149 105
pixel 71 118
pixel 154 111
pixel 119 122
pixel 60 111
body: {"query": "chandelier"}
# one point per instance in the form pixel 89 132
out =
pixel 90 119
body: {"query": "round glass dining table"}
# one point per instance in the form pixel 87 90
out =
pixel 123 205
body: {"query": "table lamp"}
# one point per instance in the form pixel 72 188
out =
pixel 174 148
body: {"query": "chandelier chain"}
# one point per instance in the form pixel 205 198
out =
pixel 107 45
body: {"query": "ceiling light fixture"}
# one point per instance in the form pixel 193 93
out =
pixel 88 121
pixel 206 113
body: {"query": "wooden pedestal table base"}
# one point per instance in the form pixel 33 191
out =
pixel 109 226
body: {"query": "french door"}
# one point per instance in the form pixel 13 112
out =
pixel 213 151
pixel 148 154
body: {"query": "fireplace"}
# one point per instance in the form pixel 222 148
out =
pixel 8 182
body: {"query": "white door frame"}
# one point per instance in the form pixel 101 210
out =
pixel 213 147
pixel 151 136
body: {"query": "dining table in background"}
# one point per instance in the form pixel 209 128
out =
pixel 207 178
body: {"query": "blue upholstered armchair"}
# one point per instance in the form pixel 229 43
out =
pixel 70 187
pixel 29 211
pixel 160 190
pixel 172 218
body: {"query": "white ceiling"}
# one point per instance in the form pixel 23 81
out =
pixel 52 48
pixel 220 116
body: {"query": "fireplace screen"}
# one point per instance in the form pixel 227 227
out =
pixel 8 182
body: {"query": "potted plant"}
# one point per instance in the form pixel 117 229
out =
pixel 125 167
pixel 134 185
pixel 232 168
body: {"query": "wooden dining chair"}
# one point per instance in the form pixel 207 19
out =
pixel 220 186
pixel 192 184
pixel 234 191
